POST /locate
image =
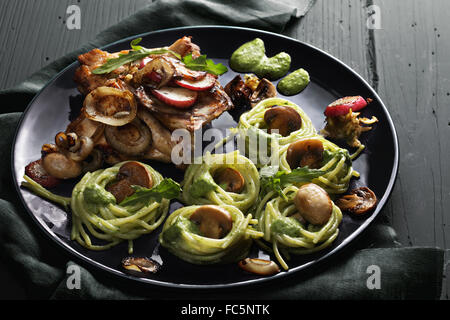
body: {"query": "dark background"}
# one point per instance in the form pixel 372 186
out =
pixel 406 62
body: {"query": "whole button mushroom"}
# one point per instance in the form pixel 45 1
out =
pixel 284 119
pixel 313 203
pixel 213 221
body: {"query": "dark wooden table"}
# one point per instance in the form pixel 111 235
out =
pixel 401 47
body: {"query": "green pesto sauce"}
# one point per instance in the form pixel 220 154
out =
pixel 96 195
pixel 251 57
pixel 294 82
pixel 287 226
pixel 172 233
pixel 202 186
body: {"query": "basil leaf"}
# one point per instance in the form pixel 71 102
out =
pixel 277 181
pixel 123 58
pixel 136 53
pixel 201 63
pixel 166 189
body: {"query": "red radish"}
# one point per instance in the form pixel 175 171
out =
pixel 175 96
pixel 154 76
pixel 144 62
pixel 36 172
pixel 204 84
pixel 343 105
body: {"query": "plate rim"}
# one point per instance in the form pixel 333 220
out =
pixel 201 287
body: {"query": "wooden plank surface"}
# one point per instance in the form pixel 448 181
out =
pixel 405 61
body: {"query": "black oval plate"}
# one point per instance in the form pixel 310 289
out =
pixel 59 101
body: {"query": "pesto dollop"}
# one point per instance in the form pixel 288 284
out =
pixel 294 82
pixel 251 57
pixel 94 194
pixel 286 225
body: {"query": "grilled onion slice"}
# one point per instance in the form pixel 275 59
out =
pixel 112 106
pixel 131 139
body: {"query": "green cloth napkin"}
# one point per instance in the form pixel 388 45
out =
pixel 406 273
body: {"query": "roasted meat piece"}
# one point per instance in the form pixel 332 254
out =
pixel 210 104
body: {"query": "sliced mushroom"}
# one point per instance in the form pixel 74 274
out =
pixel 120 190
pixel 60 166
pixel 230 179
pixel 264 90
pixel 130 173
pixel 132 139
pixel 111 106
pixel 359 201
pixel 308 152
pixel 238 92
pixel 259 266
pixel 313 203
pixel 155 74
pixel 136 174
pixel 213 221
pixel 140 264
pixel 284 119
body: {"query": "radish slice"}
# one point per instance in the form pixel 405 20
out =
pixel 154 76
pixel 144 62
pixel 343 105
pixel 176 96
pixel 201 85
pixel 36 172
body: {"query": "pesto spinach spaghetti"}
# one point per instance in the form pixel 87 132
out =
pixel 221 179
pixel 182 235
pixel 284 234
pixel 96 213
pixel 255 119
pixel 335 162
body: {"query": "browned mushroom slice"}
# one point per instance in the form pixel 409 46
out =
pixel 259 266
pixel 359 201
pixel 230 180
pixel 238 92
pixel 130 173
pixel 282 118
pixel 308 152
pixel 120 190
pixel 264 90
pixel 111 106
pixel 313 203
pixel 132 139
pixel 140 264
pixel 136 173
pixel 213 221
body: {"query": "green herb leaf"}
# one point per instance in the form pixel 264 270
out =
pixel 136 53
pixel 166 189
pixel 271 181
pixel 201 63
pixel 134 43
